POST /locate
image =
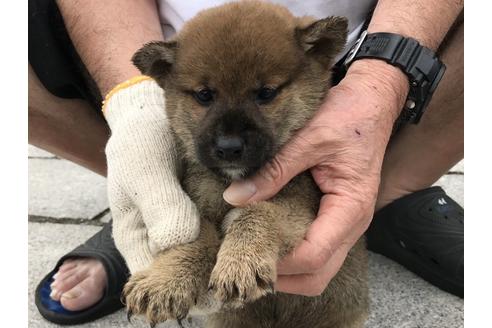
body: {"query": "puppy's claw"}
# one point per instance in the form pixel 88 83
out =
pixel 129 316
pixel 243 297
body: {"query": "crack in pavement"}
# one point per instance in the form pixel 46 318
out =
pixel 99 215
pixel 48 219
pixel 95 221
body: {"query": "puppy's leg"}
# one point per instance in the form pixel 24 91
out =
pixel 254 239
pixel 344 303
pixel 175 281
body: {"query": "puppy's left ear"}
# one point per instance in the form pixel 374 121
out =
pixel 156 59
pixel 324 38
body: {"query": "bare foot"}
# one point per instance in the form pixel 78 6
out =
pixel 79 283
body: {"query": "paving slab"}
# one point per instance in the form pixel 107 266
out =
pixel 401 299
pixel 453 184
pixel 460 167
pixel 398 297
pixel 59 189
pixel 47 243
pixel 35 152
pixel 106 217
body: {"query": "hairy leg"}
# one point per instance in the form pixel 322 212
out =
pixel 255 238
pixel 70 128
pixel 420 154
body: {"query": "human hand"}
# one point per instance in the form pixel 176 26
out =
pixel 343 146
pixel 150 209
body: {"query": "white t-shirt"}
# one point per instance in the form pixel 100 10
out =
pixel 174 13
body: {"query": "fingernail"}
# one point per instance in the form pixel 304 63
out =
pixel 70 294
pixel 53 293
pixel 239 192
pixel 55 275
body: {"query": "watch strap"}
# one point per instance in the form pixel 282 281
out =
pixel 419 63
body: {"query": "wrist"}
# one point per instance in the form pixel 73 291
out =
pixel 387 80
pixel 107 83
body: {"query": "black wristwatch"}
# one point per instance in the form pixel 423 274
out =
pixel 420 64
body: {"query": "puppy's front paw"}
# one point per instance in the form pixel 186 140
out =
pixel 159 297
pixel 242 278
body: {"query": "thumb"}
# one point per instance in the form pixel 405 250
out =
pixel 295 157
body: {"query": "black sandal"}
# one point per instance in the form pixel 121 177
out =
pixel 424 232
pixel 100 246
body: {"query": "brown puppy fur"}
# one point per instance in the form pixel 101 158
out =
pixel 240 79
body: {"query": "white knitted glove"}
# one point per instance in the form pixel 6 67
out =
pixel 149 207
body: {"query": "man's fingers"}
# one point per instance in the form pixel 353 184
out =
pixel 308 257
pixel 313 284
pixel 294 158
pixel 339 225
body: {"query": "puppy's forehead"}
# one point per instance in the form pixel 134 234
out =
pixel 239 45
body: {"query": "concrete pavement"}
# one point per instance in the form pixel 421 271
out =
pixel 68 204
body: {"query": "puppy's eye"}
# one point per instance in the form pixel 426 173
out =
pixel 204 97
pixel 265 95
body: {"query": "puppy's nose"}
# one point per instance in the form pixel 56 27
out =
pixel 229 148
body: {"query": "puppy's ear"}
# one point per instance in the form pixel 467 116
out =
pixel 324 38
pixel 156 59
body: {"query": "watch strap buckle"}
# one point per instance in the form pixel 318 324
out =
pixel 355 49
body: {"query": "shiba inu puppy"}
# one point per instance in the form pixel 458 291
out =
pixel 239 81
